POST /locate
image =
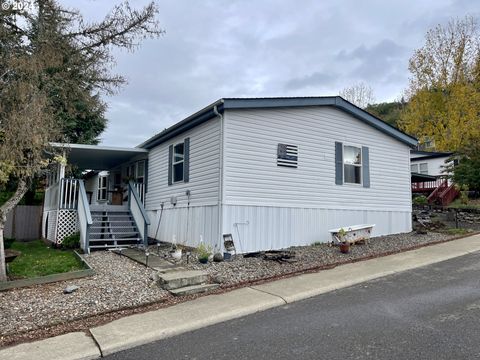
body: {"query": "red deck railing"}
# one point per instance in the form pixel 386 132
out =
pixel 426 186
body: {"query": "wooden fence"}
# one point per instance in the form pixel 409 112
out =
pixel 24 223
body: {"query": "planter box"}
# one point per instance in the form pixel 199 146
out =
pixel 88 271
pixel 354 233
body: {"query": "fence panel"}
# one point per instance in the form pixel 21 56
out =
pixel 24 223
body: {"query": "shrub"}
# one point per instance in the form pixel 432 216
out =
pixel 71 241
pixel 204 251
pixel 420 200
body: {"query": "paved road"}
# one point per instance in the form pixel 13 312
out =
pixel 427 313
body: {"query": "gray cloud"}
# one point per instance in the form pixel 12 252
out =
pixel 221 48
pixel 310 80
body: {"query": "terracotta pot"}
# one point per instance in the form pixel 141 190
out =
pixel 345 247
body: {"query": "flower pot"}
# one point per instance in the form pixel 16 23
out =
pixel 203 260
pixel 176 254
pixel 345 247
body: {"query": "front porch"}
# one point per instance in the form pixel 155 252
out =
pixel 104 202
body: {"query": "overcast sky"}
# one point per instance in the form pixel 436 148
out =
pixel 250 48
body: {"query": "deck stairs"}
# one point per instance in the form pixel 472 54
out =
pixel 113 228
pixel 443 194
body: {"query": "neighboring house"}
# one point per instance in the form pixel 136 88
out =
pixel 429 178
pixel 428 163
pixel 273 172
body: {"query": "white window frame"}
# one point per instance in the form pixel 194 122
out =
pixel 416 168
pixel 425 172
pixel 182 161
pixel 356 165
pixel 102 187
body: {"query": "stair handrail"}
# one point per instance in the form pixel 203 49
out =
pixel 433 196
pixel 138 212
pixel 449 194
pixel 84 217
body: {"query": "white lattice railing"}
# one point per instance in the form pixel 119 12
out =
pixel 138 212
pixel 84 217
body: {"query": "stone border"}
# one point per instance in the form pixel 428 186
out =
pixel 88 271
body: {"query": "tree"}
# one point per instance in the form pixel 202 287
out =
pixel 359 94
pixel 389 111
pixel 444 90
pixel 464 167
pixel 53 65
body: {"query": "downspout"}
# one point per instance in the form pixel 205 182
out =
pixel 220 181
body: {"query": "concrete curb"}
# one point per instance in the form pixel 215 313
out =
pixel 144 328
pixel 72 346
pixel 135 330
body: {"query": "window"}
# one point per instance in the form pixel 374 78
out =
pixel 424 168
pixel 414 168
pixel 178 162
pixel 102 188
pixel 352 164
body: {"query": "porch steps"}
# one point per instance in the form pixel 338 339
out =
pixel 113 228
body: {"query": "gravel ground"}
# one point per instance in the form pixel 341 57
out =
pixel 118 283
pixel 242 269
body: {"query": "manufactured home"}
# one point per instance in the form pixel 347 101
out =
pixel 273 172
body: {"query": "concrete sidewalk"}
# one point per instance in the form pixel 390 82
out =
pixel 140 329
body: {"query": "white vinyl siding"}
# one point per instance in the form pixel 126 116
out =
pixel 252 177
pixel 204 168
pixel 433 166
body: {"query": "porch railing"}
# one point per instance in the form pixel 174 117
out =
pixel 135 205
pixel 69 193
pixel 51 197
pixel 84 217
pixel 140 187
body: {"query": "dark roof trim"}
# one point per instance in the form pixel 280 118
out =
pixel 256 103
pixel 424 155
pixel 417 177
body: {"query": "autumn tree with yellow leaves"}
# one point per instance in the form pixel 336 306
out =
pixel 444 90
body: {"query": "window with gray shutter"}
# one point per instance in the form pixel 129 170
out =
pixel 179 162
pixel 287 155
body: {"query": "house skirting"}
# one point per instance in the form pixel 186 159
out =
pixel 258 228
pixel 185 225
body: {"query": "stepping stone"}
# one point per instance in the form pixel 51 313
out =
pixel 177 279
pixel 194 289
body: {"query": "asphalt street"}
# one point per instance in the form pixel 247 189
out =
pixel 427 313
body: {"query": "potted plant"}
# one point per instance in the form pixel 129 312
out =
pixel 344 244
pixel 203 253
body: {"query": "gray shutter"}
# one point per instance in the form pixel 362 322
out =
pixel 186 160
pixel 338 163
pixel 365 167
pixel 170 158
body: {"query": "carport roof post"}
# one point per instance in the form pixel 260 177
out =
pixel 95 157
